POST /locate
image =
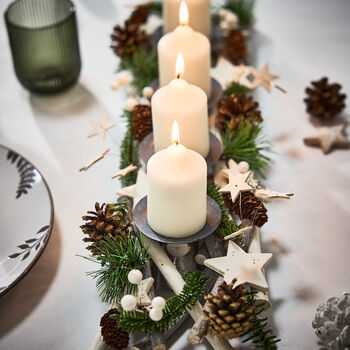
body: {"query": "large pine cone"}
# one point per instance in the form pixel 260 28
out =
pixel 140 14
pixel 232 109
pixel 229 315
pixel 141 121
pixel 247 206
pixel 235 49
pixel 115 337
pixel 125 40
pixel 324 100
pixel 103 223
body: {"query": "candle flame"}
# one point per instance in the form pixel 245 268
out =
pixel 180 65
pixel 183 14
pixel 175 136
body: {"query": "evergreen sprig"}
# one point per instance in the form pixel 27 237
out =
pixel 244 9
pixel 175 307
pixel 245 144
pixel 117 258
pixel 236 88
pixel 144 68
pixel 129 152
pixel 227 225
pixel 156 8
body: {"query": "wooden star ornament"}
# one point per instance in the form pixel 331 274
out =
pixel 144 287
pixel 100 127
pixel 264 78
pixel 328 138
pixel 125 171
pixel 247 268
pixel 236 184
pixel 94 161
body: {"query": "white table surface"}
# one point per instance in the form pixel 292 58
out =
pixel 56 306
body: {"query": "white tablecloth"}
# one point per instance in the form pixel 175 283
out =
pixel 57 306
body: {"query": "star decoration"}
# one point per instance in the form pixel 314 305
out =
pixel 94 161
pixel 100 127
pixel 128 191
pixel 247 268
pixel 125 171
pixel 144 287
pixel 236 184
pixel 266 195
pixel 263 77
pixel 328 138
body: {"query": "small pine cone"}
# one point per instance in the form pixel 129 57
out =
pixel 235 49
pixel 115 337
pixel 125 40
pixel 247 206
pixel 103 223
pixel 231 110
pixel 141 121
pixel 324 100
pixel 140 14
pixel 229 316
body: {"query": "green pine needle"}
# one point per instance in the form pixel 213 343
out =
pixel 117 259
pixel 175 308
pixel 244 9
pixel 236 88
pixel 227 225
pixel 144 68
pixel 244 144
pixel 156 8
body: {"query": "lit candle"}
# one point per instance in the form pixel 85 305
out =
pixel 185 103
pixel 199 21
pixel 195 48
pixel 177 190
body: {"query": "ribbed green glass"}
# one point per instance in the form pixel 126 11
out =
pixel 44 43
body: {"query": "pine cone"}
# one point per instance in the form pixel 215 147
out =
pixel 140 14
pixel 126 40
pixel 247 206
pixel 102 223
pixel 229 315
pixel 141 121
pixel 113 336
pixel 235 49
pixel 232 109
pixel 324 100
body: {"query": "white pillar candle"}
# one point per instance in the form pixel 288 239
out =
pixel 199 18
pixel 195 48
pixel 177 191
pixel 185 103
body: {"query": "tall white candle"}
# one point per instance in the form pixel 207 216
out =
pixel 195 48
pixel 177 191
pixel 199 18
pixel 185 103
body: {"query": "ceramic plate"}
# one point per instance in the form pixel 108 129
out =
pixel 26 217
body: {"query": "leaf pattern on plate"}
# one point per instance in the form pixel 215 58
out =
pixel 31 243
pixel 25 170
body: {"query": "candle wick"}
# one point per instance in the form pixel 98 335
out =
pixel 179 76
pixel 177 143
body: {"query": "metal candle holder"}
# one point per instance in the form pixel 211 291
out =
pixel 213 221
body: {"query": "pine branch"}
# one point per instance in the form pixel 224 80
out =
pixel 244 9
pixel 144 68
pixel 236 88
pixel 117 258
pixel 156 8
pixel 129 152
pixel 244 144
pixel 175 307
pixel 227 225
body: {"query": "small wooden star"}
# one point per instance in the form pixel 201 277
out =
pixel 94 161
pixel 144 287
pixel 100 127
pixel 128 191
pixel 125 171
pixel 328 138
pixel 263 77
pixel 236 184
pixel 244 266
pixel 266 195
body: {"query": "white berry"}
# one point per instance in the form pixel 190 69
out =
pixel 224 26
pixel 128 302
pixel 222 13
pixel 130 104
pixel 243 167
pixel 156 314
pixel 158 303
pixel 135 276
pixel 115 86
pixel 123 78
pixel 147 92
pixel 231 18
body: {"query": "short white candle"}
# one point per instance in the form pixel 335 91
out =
pixel 199 18
pixel 177 191
pixel 185 103
pixel 195 48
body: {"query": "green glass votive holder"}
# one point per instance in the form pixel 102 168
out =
pixel 44 44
